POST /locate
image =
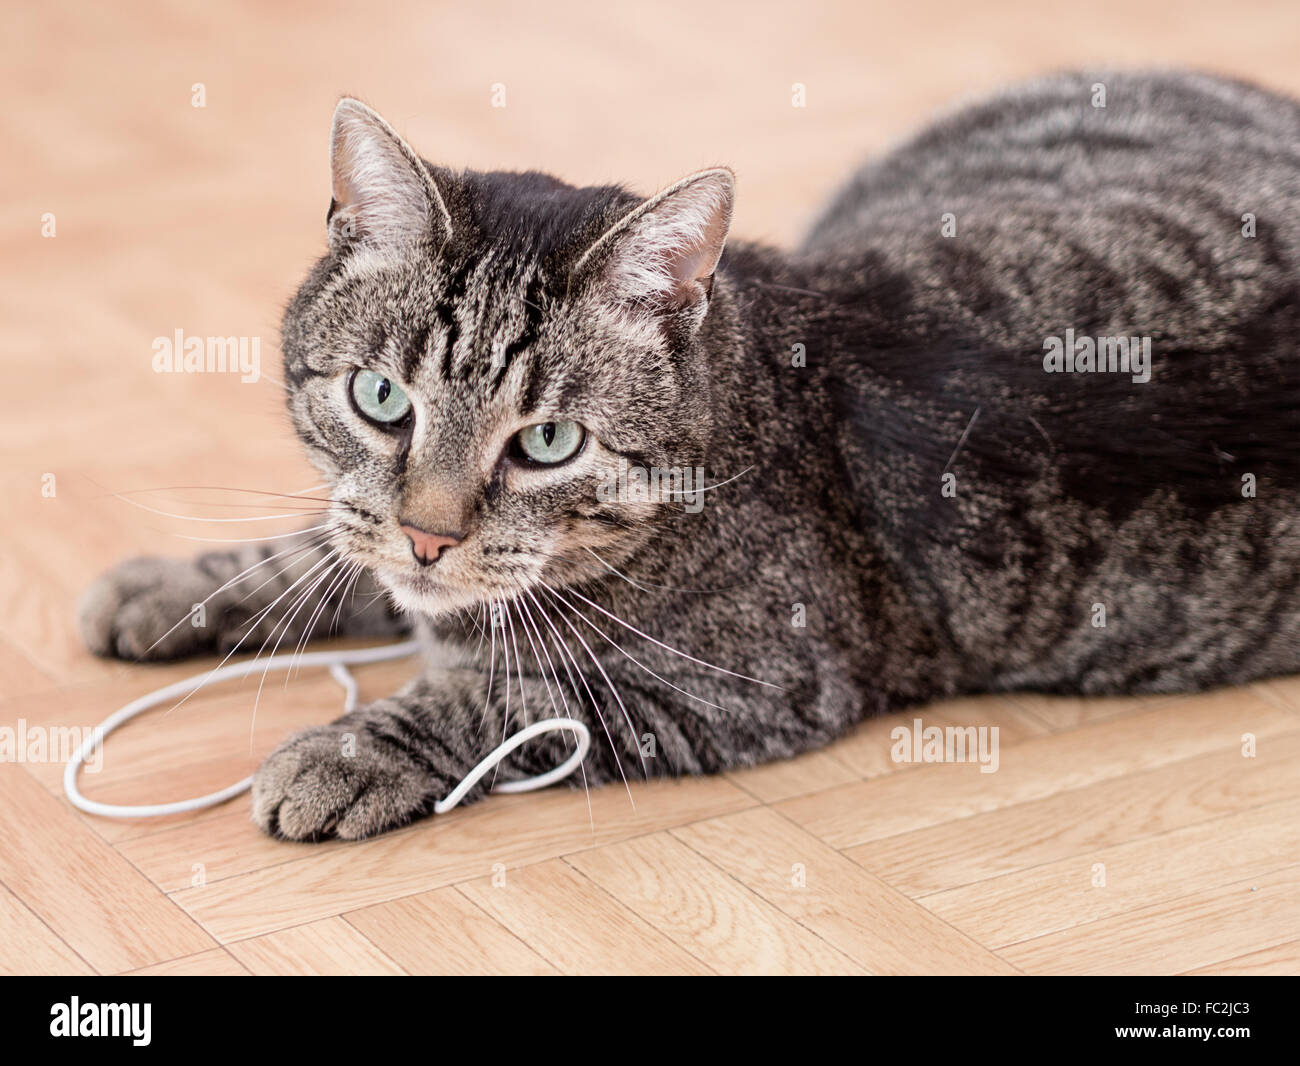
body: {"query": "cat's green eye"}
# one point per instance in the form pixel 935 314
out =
pixel 377 398
pixel 550 442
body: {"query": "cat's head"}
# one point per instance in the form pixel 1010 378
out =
pixel 480 355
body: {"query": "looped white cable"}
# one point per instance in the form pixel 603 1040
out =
pixel 338 663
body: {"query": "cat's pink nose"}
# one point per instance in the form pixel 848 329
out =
pixel 428 546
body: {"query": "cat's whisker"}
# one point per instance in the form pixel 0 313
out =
pixel 249 540
pixel 561 650
pixel 595 705
pixel 342 569
pixel 573 686
pixel 790 288
pixel 339 571
pixel 492 665
pixel 303 598
pixel 618 573
pixel 262 374
pixel 660 643
pixel 125 497
pixel 294 514
pixel 283 624
pixel 526 616
pixel 627 654
pixel 707 488
pixel 374 597
pixel 477 617
pixel 505 716
pixel 459 615
pixel 519 666
pixel 520 609
pixel 962 441
pixel 612 688
pixel 298 603
pixel 340 588
pixel 646 586
pixel 227 488
pixel 233 581
pixel 354 572
pixel 261 504
pixel 519 674
pixel 315 544
pixel 349 594
pixel 252 624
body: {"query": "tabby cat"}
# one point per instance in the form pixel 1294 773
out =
pixel 721 505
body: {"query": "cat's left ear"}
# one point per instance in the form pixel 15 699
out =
pixel 383 195
pixel 661 256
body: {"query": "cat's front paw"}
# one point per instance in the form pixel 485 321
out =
pixel 339 781
pixel 144 609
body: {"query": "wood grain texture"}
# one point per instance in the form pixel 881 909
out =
pixel 799 776
pixel 576 925
pixel 511 830
pixel 869 921
pixel 1083 821
pixel 705 910
pixel 329 946
pixel 30 946
pixel 171 216
pixel 1105 882
pixel 216 962
pixel 1281 960
pixel 1192 932
pixel 88 895
pixel 445 933
pixel 937 792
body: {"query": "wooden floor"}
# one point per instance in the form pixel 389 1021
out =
pixel 1116 836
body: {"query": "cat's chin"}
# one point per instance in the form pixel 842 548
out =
pixel 420 594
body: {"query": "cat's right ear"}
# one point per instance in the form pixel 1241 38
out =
pixel 659 258
pixel 383 195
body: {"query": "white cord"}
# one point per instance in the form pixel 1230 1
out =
pixel 338 663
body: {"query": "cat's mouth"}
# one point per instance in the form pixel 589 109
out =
pixel 421 583
pixel 422 593
pixel 417 591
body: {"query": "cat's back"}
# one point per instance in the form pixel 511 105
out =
pixel 1169 217
pixel 1159 187
pixel 1075 138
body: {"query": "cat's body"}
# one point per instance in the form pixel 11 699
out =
pixel 907 505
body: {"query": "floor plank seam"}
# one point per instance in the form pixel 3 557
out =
pixel 24 904
pixel 1233 958
pixel 749 890
pixel 1082 854
pixel 667 936
pixel 1165 904
pixel 420 891
pixel 1138 773
pixel 901 895
pixel 505 928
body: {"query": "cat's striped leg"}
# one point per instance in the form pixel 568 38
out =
pixel 389 762
pixel 156 608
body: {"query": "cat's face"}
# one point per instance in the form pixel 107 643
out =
pixel 481 356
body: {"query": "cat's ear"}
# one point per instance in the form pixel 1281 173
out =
pixel 383 195
pixel 661 255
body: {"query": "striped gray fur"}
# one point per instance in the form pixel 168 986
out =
pixel 923 358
